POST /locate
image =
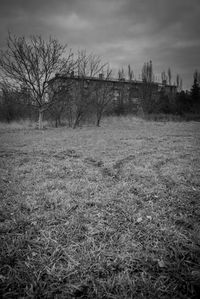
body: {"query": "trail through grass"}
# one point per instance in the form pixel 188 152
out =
pixel 109 212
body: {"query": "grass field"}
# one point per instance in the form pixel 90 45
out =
pixel 109 212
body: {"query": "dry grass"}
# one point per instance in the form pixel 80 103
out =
pixel 109 212
pixel 172 117
pixel 17 125
pixel 23 125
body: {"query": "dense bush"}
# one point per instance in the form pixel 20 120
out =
pixel 15 105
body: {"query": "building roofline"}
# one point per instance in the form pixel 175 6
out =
pixel 112 79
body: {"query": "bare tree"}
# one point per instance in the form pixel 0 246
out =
pixel 103 95
pixel 179 83
pixel 61 98
pixel 33 62
pixel 163 77
pixel 121 74
pixel 130 73
pixel 89 66
pixel 121 90
pixel 169 76
pixel 147 86
pixel 197 76
pixel 147 72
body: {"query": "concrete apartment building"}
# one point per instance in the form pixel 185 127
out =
pixel 124 90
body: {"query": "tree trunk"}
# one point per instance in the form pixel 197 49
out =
pixel 76 123
pixel 40 120
pixel 98 119
pixel 77 120
pixel 59 121
pixel 98 122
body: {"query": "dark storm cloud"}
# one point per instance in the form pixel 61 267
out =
pixel 122 31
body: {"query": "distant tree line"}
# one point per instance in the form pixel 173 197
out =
pixel 28 65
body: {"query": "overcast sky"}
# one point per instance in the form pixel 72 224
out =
pixel 122 32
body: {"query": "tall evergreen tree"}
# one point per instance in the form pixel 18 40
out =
pixel 195 90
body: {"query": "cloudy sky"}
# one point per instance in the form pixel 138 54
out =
pixel 122 32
